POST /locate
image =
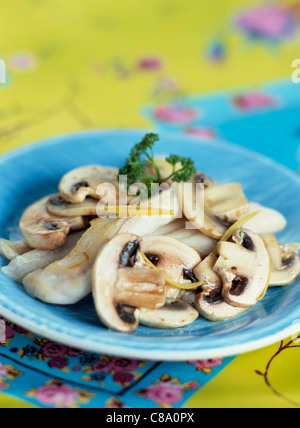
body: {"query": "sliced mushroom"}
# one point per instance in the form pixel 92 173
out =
pixel 202 178
pixel 116 283
pixel 187 296
pixel 267 221
pixel 210 302
pixel 82 182
pixel 174 314
pixel 227 202
pixel 205 272
pixel 58 206
pixel 212 306
pixel 44 231
pixel 244 266
pixel 221 206
pixel 10 250
pixel 33 260
pixel 285 262
pixel 172 256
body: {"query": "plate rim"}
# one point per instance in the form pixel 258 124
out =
pixel 130 351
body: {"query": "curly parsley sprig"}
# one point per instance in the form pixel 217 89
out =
pixel 141 156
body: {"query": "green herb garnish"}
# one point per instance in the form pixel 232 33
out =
pixel 142 156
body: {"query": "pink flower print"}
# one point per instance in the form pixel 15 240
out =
pixel 53 350
pixel 75 352
pixel 121 364
pixel 123 377
pixel 254 101
pixel 165 392
pixel 175 115
pixel 57 395
pixel 204 133
pixel 193 385
pixel 206 365
pixel 58 363
pixel 10 332
pixel 102 366
pixel 269 21
pixel 150 64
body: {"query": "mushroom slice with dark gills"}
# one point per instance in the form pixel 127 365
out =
pixel 174 314
pixel 117 283
pixel 210 302
pixel 212 306
pixel 76 185
pixel 205 272
pixel 45 231
pixel 172 256
pixel 285 262
pixel 56 205
pixel 10 250
pixel 32 260
pixel 244 266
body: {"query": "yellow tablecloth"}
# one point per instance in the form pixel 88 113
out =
pixel 96 64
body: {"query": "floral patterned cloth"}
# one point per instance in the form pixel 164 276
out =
pixel 50 374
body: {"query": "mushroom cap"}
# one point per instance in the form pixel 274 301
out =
pixel 57 206
pixel 285 262
pixel 173 257
pixel 116 283
pixel 45 231
pixel 76 185
pixel 213 307
pixel 244 266
pixel 174 314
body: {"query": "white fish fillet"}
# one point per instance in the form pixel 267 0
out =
pixel 69 280
pixel 32 260
pixel 10 250
pixel 268 221
pixel 192 237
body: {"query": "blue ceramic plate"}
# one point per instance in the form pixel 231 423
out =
pixel 34 171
